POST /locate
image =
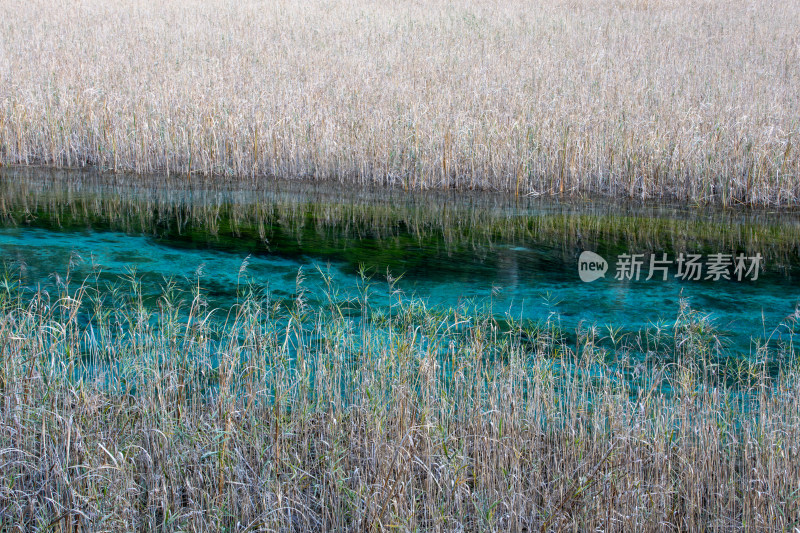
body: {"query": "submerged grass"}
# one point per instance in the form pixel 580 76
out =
pixel 124 414
pixel 326 221
pixel 641 99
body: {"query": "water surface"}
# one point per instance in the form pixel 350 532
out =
pixel 517 257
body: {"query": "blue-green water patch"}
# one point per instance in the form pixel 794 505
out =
pixel 519 259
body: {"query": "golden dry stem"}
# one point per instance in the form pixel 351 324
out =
pixel 661 98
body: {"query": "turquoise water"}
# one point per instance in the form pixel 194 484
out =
pixel 527 275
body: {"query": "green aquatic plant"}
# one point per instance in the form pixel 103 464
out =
pixel 381 225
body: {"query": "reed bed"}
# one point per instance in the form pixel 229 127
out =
pixel 121 413
pixel 627 98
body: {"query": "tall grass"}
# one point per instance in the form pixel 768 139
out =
pixel 630 98
pixel 125 414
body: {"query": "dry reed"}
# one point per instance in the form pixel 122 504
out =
pixel 629 98
pixel 119 415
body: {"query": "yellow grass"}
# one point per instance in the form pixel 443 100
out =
pixel 695 100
